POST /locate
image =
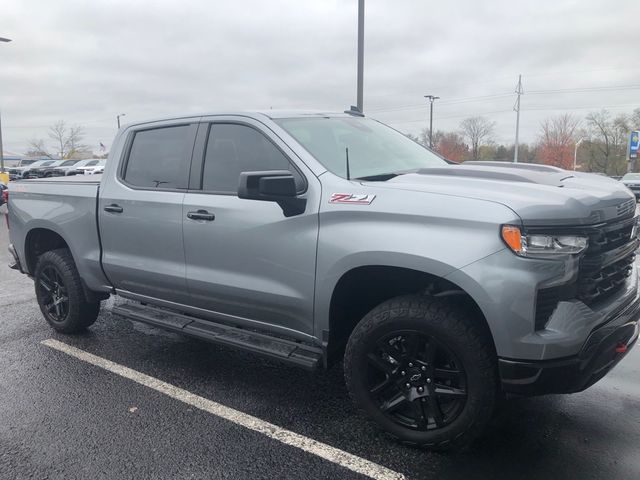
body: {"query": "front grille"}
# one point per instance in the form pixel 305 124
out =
pixel 608 261
pixel 603 270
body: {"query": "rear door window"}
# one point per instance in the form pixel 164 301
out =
pixel 159 158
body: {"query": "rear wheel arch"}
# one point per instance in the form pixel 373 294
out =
pixel 361 289
pixel 38 241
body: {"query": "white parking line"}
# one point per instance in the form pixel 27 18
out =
pixel 322 450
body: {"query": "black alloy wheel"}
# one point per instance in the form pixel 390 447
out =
pixel 64 302
pixel 416 381
pixel 424 369
pixel 52 291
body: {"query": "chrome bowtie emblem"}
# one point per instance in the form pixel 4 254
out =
pixel 416 377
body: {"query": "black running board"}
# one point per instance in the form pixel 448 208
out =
pixel 290 351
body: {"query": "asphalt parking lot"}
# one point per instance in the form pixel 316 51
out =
pixel 185 409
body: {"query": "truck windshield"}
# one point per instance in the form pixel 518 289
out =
pixel 375 150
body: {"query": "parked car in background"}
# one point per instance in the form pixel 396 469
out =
pixel 92 169
pixel 64 170
pixel 45 172
pixel 39 171
pixel 632 182
pixel 27 171
pixel 16 171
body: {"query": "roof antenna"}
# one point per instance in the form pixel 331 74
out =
pixel 348 172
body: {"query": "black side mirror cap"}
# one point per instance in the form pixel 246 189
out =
pixel 277 186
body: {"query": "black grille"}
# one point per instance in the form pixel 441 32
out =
pixel 608 261
pixel 604 268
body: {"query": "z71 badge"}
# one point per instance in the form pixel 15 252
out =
pixel 351 198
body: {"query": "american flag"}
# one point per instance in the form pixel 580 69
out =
pixel 102 147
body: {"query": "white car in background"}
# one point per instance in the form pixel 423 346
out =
pixel 92 169
pixel 72 169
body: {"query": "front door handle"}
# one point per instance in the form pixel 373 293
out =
pixel 201 215
pixel 113 208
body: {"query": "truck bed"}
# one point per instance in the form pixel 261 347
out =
pixel 65 205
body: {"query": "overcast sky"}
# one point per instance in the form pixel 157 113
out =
pixel 87 61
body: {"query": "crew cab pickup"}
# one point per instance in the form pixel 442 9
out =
pixel 319 237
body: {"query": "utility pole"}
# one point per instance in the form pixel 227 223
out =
pixel 516 107
pixel 3 40
pixel 359 101
pixel 432 98
pixel 118 118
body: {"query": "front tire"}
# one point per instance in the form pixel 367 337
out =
pixel 60 294
pixel 424 371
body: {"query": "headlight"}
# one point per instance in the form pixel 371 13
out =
pixel 540 246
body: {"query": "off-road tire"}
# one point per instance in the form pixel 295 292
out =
pixel 451 325
pixel 80 313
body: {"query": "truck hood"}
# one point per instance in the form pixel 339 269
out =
pixel 540 195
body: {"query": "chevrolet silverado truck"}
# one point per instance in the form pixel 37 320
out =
pixel 315 238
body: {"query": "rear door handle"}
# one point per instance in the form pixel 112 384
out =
pixel 113 208
pixel 201 215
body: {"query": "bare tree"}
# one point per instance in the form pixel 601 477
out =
pixel 66 142
pixel 477 130
pixel 609 138
pixel 37 148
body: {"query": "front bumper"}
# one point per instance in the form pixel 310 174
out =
pixel 604 348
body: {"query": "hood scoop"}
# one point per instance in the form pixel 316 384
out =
pixel 538 174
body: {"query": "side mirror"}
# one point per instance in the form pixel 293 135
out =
pixel 272 186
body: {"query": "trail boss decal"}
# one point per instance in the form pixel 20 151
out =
pixel 351 198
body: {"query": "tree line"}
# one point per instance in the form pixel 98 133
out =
pixel 603 139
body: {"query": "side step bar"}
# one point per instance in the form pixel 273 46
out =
pixel 290 351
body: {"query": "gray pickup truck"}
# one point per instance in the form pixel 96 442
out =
pixel 318 237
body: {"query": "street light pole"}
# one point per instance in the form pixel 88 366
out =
pixel 432 98
pixel 360 81
pixel 118 118
pixel 4 40
pixel 575 152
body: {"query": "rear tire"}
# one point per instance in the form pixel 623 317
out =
pixel 60 294
pixel 424 370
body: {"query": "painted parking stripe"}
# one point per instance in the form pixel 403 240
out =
pixel 322 450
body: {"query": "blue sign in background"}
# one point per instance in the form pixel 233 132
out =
pixel 634 144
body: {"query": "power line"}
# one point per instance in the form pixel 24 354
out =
pixel 448 117
pixel 453 101
pixel 479 98
pixel 610 88
pixel 582 107
pixel 534 108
